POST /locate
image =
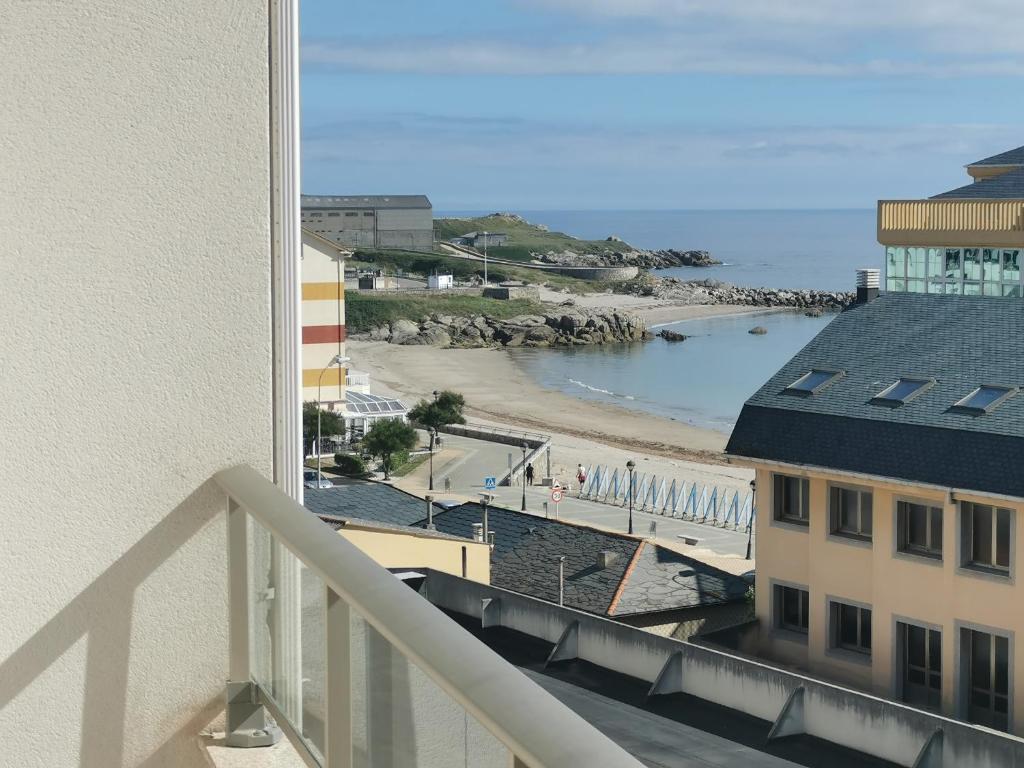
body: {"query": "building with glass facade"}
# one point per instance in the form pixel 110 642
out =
pixel 968 241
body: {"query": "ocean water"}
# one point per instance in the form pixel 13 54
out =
pixel 705 380
pixel 701 381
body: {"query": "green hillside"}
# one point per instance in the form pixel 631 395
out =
pixel 523 237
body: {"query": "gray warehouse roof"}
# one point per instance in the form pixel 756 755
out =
pixel 958 342
pixel 1010 157
pixel 1006 185
pixel 365 201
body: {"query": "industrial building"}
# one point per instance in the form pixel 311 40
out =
pixel 372 221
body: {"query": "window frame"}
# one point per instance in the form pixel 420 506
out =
pixel 895 402
pixel 932 697
pixel 834 518
pixel 803 521
pixel 797 632
pixel 834 376
pixel 961 404
pixel 964 659
pixel 965 542
pixel 857 651
pixel 902 538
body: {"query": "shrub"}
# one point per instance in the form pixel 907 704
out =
pixel 350 464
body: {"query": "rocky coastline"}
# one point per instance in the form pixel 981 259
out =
pixel 659 259
pixel 559 328
pixel 714 292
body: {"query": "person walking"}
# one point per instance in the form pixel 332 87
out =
pixel 529 474
pixel 581 476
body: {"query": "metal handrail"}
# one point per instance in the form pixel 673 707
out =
pixel 538 729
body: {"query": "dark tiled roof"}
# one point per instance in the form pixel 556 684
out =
pixel 1010 157
pixel 663 580
pixel 960 341
pixel 365 201
pixel 367 501
pixel 1009 185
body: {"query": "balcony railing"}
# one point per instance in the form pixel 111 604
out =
pixel 354 665
pixel 951 222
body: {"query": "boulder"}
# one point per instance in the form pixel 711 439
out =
pixel 435 337
pixel 403 330
pixel 668 335
pixel 758 330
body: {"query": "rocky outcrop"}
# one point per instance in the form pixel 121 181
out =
pixel 668 335
pixel 563 326
pixel 629 258
pixel 715 292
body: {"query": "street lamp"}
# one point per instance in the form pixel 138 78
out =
pixel 336 360
pixel 524 447
pixel 750 522
pixel 433 435
pixel 631 465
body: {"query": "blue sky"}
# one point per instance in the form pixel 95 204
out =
pixel 663 104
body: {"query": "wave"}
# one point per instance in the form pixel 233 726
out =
pixel 598 389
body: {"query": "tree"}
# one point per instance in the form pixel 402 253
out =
pixel 331 422
pixel 443 410
pixel 386 438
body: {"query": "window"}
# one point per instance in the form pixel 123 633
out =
pixel 367 213
pixel 902 391
pixel 919 529
pixel 851 627
pixel 350 214
pixel 791 608
pixel 333 213
pixel 921 657
pixel 790 496
pixel 985 537
pixel 316 215
pixel 986 398
pixel 987 660
pixel 813 381
pixel 850 511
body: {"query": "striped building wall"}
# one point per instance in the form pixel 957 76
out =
pixel 323 318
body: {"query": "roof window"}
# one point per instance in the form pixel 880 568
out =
pixel 813 381
pixel 902 391
pixel 986 398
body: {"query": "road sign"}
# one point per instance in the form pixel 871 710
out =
pixel 490 483
pixel 556 495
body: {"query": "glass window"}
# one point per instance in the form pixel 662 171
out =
pixel 936 263
pixel 851 627
pixel 972 263
pixel 986 398
pixel 903 390
pixel 953 264
pixel 922 665
pixel 792 608
pixel 919 529
pixel 936 286
pixel 988 659
pixel 972 289
pixel 333 214
pixel 1011 265
pixel 1011 290
pixel 915 286
pixel 916 262
pixel 814 381
pixel 791 498
pixel 350 214
pixel 895 262
pixel 990 265
pixel 850 511
pixel 985 537
pixel 952 287
pixel 367 213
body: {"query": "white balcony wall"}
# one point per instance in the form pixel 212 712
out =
pixel 135 359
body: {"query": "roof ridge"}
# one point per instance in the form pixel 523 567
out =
pixel 625 578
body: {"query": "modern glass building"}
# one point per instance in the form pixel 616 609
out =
pixel 969 240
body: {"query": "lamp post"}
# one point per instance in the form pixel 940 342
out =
pixel 750 522
pixel 524 447
pixel 336 360
pixel 433 435
pixel 631 465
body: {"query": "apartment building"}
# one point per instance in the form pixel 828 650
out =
pixel 323 320
pixel 890 504
pixel 969 240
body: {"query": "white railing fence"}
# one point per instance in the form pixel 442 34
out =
pixel 359 669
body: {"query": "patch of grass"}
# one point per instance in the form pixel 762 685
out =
pixel 523 237
pixel 363 311
pixel 410 465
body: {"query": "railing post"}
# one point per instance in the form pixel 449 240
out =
pixel 338 698
pixel 248 724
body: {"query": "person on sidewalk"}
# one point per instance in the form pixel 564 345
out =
pixel 529 474
pixel 581 476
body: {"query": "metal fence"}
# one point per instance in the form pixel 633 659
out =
pixel 661 495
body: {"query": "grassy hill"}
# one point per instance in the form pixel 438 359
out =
pixel 366 310
pixel 523 237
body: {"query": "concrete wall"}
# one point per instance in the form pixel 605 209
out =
pixel 896 586
pixel 398 549
pixel 136 350
pixel 885 729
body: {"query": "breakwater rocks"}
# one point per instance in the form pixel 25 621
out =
pixel 571 327
pixel 715 292
pixel 660 259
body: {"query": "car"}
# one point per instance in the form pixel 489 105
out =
pixel 309 480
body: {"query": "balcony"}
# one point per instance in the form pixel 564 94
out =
pixel 357 669
pixel 951 222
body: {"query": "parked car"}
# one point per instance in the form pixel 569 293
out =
pixel 309 480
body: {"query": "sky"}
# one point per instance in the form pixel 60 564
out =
pixel 656 104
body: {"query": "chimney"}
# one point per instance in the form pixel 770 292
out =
pixel 867 285
pixel 478 531
pixel 606 557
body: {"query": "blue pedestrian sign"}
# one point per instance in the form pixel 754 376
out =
pixel 490 483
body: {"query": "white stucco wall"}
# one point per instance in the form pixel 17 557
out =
pixel 135 358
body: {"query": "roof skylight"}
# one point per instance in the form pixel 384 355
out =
pixel 813 381
pixel 902 391
pixel 986 397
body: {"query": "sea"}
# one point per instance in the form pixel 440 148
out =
pixel 705 380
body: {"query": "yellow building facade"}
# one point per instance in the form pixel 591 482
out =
pixel 323 320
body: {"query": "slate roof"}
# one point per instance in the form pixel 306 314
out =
pixel 373 502
pixel 960 341
pixel 1009 157
pixel 1009 185
pixel 365 201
